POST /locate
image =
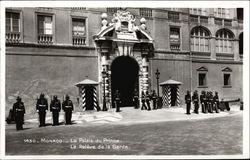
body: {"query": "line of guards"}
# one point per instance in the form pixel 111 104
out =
pixel 209 103
pixel 145 100
pixel 42 109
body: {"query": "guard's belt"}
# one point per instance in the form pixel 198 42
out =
pixel 42 105
pixel 68 106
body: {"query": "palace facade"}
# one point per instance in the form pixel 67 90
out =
pixel 50 50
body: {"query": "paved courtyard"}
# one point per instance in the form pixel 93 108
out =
pixel 160 132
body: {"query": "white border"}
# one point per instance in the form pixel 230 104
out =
pixel 161 4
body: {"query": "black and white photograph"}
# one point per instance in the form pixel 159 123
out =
pixel 116 79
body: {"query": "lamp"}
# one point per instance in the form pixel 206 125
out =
pixel 104 75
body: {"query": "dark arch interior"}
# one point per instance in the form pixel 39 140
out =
pixel 124 77
pixel 241 43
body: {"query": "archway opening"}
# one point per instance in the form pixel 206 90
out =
pixel 124 77
pixel 241 44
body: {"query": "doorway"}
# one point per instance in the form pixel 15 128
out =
pixel 89 97
pixel 124 77
pixel 173 95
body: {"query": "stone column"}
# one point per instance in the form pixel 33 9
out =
pixel 235 45
pixel 105 67
pixel 145 79
pixel 213 48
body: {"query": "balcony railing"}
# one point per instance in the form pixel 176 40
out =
pixel 79 40
pixel 45 39
pixel 13 37
pixel 175 47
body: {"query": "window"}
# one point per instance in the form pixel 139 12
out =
pixel 12 26
pixel 113 10
pixel 79 31
pixel 12 22
pixel 45 29
pixel 218 21
pixel 227 76
pixel 173 16
pixel 204 20
pixel 227 23
pixel 45 25
pixel 198 11
pixel 240 14
pixel 224 41
pixel 227 79
pixel 202 79
pixel 145 12
pixel 200 39
pixel 222 12
pixel 194 19
pixel 174 38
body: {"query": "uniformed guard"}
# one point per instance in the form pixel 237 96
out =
pixel 195 99
pixel 55 108
pixel 216 102
pixel 147 96
pixel 154 99
pixel 136 99
pixel 209 103
pixel 143 101
pixel 117 100
pixel 202 100
pixel 68 108
pixel 211 99
pixel 19 111
pixel 188 101
pixel 42 108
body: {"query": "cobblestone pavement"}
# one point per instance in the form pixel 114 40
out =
pixel 209 136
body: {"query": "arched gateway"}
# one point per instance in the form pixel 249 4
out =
pixel 124 50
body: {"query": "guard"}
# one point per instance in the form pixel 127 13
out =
pixel 42 108
pixel 136 99
pixel 143 101
pixel 68 108
pixel 55 108
pixel 209 103
pixel 216 102
pixel 203 99
pixel 19 111
pixel 154 99
pixel 188 101
pixel 147 96
pixel 195 99
pixel 117 100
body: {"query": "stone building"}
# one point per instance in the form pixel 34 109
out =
pixel 51 49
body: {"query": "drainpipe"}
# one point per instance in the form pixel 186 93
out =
pixel 190 54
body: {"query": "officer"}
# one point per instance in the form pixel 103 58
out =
pixel 55 108
pixel 68 108
pixel 19 111
pixel 143 101
pixel 154 99
pixel 136 99
pixel 147 96
pixel 42 108
pixel 195 99
pixel 117 100
pixel 202 99
pixel 188 101
pixel 216 102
